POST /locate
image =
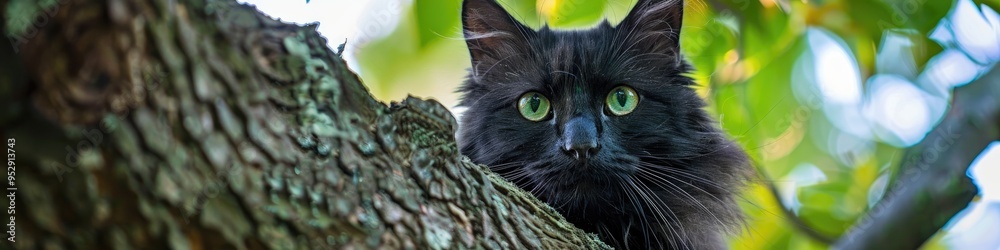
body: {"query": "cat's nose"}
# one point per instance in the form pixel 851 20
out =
pixel 580 138
pixel 582 150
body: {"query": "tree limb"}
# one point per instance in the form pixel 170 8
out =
pixel 790 215
pixel 203 124
pixel 933 184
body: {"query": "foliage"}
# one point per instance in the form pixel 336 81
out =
pixel 753 58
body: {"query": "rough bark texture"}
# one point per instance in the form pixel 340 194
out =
pixel 203 124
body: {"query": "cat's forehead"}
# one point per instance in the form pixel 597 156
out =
pixel 579 39
pixel 589 62
pixel 578 59
pixel 569 49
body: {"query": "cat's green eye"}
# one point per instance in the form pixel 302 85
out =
pixel 622 100
pixel 534 106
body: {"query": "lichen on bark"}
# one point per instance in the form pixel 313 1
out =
pixel 206 124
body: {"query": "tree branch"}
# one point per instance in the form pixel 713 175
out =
pixel 204 124
pixel 933 184
pixel 791 217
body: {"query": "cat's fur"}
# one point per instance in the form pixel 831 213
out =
pixel 663 176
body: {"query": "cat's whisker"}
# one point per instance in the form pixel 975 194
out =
pixel 658 209
pixel 515 176
pixel 686 174
pixel 651 167
pixel 701 179
pixel 679 223
pixel 602 230
pixel 664 221
pixel 713 152
pixel 512 171
pixel 498 62
pixel 632 193
pixel 636 205
pixel 506 165
pixel 651 174
pixel 658 181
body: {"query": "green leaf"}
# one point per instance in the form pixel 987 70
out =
pixel 435 25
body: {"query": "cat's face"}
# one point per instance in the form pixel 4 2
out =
pixel 591 120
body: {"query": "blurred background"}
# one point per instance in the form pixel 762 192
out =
pixel 824 94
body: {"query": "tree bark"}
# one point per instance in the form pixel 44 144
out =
pixel 204 124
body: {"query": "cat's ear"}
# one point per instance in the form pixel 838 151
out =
pixel 655 24
pixel 491 33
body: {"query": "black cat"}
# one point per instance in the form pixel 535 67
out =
pixel 603 125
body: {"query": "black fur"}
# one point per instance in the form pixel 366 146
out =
pixel 664 176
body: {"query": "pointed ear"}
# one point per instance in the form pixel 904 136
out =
pixel 656 24
pixel 491 33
